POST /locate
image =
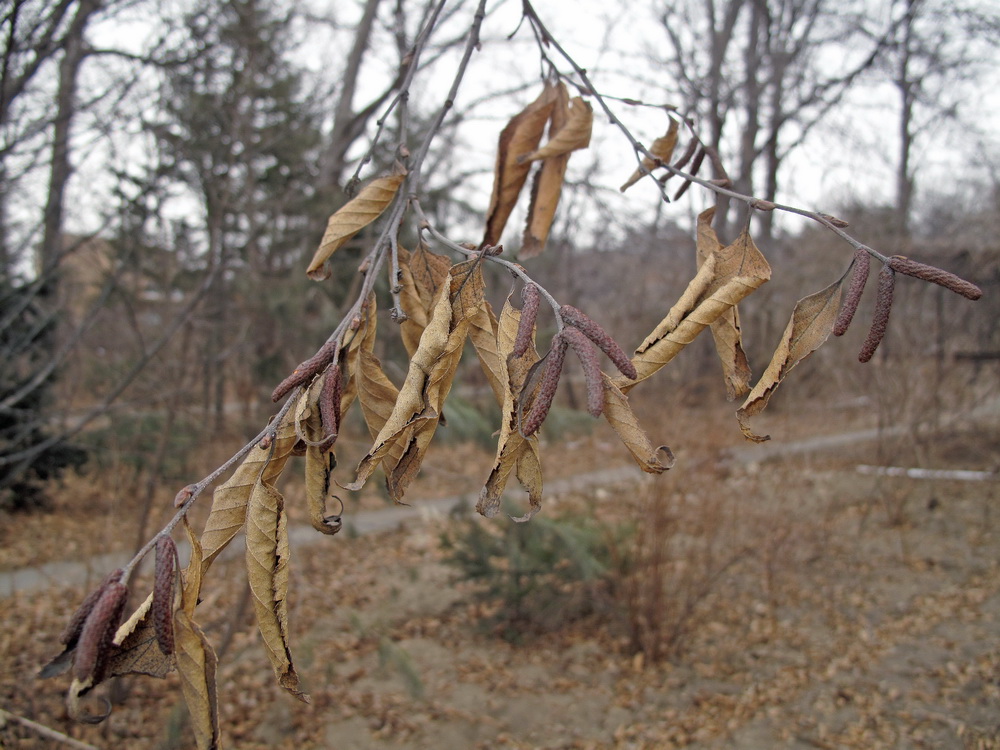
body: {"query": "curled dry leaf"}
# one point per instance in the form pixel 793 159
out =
pixel 662 149
pixel 515 453
pixel 880 320
pixel 197 665
pixel 570 134
pixel 860 268
pixel 726 331
pixel 725 277
pixel 417 410
pixel 622 419
pixel 351 218
pixel 267 570
pixel 810 325
pixel 520 136
pixel 546 187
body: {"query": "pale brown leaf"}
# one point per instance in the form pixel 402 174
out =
pixel 351 218
pixel 570 133
pixel 662 149
pixel 515 453
pixel 417 411
pixel 520 137
pixel 483 335
pixel 546 188
pixel 726 276
pixel 811 324
pixel 197 665
pixel 620 416
pixel 267 571
pixel 726 328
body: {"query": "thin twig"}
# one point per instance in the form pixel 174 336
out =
pixel 44 731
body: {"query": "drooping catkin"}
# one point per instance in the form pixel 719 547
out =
pixel 880 320
pixel 306 370
pixel 587 355
pixel 329 406
pixel 162 608
pixel 71 633
pixel 859 277
pixel 935 275
pixel 695 166
pixel 547 387
pixel 529 315
pixel 98 632
pixel 593 331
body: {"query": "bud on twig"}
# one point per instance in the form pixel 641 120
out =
pixel 98 633
pixel 585 351
pixel 839 223
pixel 935 275
pixel 529 314
pixel 860 269
pixel 183 495
pixel 593 331
pixel 162 607
pixel 547 387
pixel 71 634
pixel 880 320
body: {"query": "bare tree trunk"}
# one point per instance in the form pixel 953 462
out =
pixel 906 86
pixel 59 174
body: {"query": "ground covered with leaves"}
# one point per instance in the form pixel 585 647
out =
pixel 802 604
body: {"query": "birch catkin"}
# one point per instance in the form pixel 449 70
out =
pixel 526 325
pixel 880 320
pixel 587 355
pixel 547 387
pixel 859 277
pixel 162 608
pixel 98 633
pixel 593 331
pixel 935 275
pixel 71 633
pixel 329 406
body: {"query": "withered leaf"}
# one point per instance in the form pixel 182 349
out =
pixel 417 410
pixel 351 218
pixel 229 501
pixel 515 453
pixel 726 328
pixel 662 149
pixel 811 324
pixel 197 665
pixel 520 136
pixel 546 188
pixel 267 571
pixel 570 132
pixel 483 335
pixel 620 416
pixel 726 276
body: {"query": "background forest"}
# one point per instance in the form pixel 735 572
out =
pixel 167 170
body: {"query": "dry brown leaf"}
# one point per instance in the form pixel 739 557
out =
pixel 417 410
pixel 409 299
pixel 197 664
pixel 351 218
pixel 620 416
pixel 483 335
pixel 726 276
pixel 267 572
pixel 726 328
pixel 520 136
pixel 811 324
pixel 662 149
pixel 514 452
pixel 570 133
pixel 229 501
pixel 546 188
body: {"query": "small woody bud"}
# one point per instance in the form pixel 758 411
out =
pixel 162 607
pixel 880 320
pixel 98 633
pixel 860 269
pixel 593 331
pixel 529 314
pixel 547 388
pixel 935 275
